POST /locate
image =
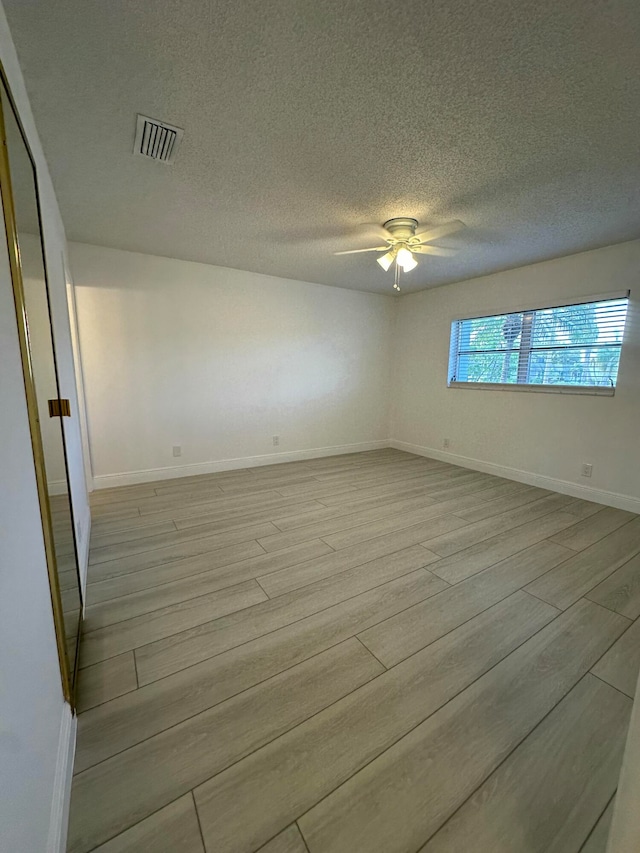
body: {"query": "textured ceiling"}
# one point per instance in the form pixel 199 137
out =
pixel 309 121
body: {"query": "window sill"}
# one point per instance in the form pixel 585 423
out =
pixel 588 390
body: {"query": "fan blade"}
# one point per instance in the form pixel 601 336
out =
pixel 357 251
pixel 440 231
pixel 434 250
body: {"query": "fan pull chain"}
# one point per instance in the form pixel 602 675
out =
pixel 396 284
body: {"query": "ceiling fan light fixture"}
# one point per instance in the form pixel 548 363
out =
pixel 386 260
pixel 403 244
pixel 406 260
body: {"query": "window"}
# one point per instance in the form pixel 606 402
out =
pixel 566 348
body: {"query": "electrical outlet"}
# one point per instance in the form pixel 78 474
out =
pixel 445 443
pixel 586 469
pixel 276 440
pixel 177 450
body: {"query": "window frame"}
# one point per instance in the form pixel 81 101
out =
pixel 524 353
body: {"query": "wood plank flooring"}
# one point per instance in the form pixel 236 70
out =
pixel 367 652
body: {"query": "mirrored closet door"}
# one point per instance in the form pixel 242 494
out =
pixel 47 409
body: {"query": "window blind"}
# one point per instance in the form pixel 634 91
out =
pixel 571 345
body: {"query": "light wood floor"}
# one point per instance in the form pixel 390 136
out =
pixel 363 653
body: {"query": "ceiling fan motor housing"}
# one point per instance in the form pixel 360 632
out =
pixel 401 228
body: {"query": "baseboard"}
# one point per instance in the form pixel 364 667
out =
pixel 130 478
pixel 57 840
pixel 57 487
pixel 565 487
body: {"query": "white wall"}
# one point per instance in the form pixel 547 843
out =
pixel 218 361
pixel 532 435
pixel 36 728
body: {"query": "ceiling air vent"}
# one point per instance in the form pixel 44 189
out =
pixel 157 140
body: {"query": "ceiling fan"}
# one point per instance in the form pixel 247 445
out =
pixel 403 243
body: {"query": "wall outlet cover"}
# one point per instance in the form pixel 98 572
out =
pixel 586 469
pixel 177 450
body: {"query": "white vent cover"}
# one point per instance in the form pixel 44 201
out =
pixel 157 140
